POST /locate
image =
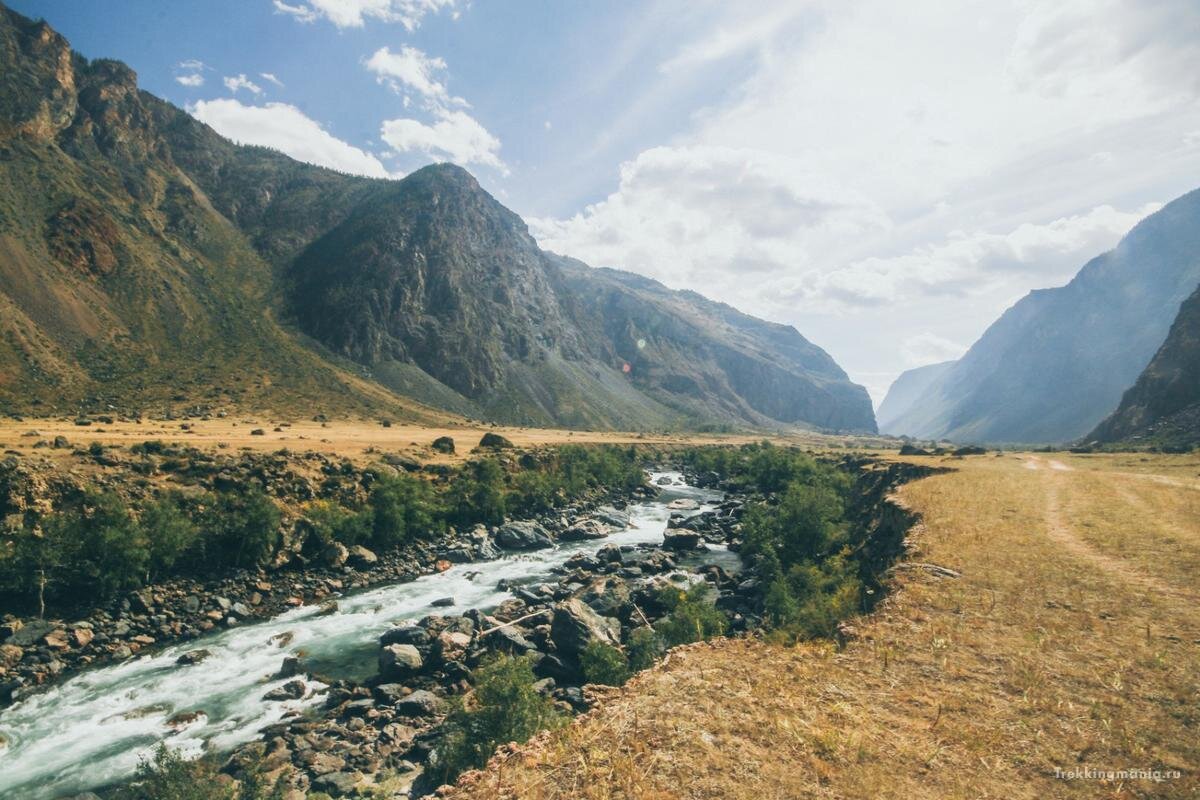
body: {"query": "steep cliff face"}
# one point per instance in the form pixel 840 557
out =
pixel 145 260
pixel 1163 407
pixel 1056 363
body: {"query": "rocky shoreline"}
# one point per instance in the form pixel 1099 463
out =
pixel 36 653
pixel 383 730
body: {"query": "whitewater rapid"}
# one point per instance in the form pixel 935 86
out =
pixel 93 729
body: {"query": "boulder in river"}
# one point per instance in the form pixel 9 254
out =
pixel 584 530
pixel 406 634
pixel 400 661
pixel 192 657
pixel 523 535
pixel 680 539
pixel 292 690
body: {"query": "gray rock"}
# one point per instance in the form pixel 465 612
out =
pixel 337 784
pixel 584 530
pixel 406 634
pixel 574 626
pixel 360 556
pixel 420 704
pixel 681 540
pixel 400 660
pixel 523 536
pixel 192 657
pixel 292 690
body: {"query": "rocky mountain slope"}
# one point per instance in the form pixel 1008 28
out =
pixel 1056 363
pixel 1163 407
pixel 709 359
pixel 904 393
pixel 146 261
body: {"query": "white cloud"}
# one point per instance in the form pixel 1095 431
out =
pixel 238 82
pixel 819 186
pixel 726 221
pixel 286 128
pixel 270 76
pixel 455 135
pixel 412 69
pixel 975 263
pixel 355 13
pixel 193 73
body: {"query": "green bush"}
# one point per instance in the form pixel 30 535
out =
pixel 477 494
pixel 103 549
pixel 692 617
pixel 170 776
pixel 402 507
pixel 169 532
pixel 644 647
pixel 504 707
pixel 241 529
pixel 333 523
pixel 604 664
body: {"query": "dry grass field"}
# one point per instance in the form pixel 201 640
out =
pixel 1070 642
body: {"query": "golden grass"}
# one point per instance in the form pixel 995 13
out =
pixel 1053 650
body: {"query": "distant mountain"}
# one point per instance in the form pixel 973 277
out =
pixel 1056 363
pixel 146 261
pixel 1163 407
pixel 905 391
pixel 710 360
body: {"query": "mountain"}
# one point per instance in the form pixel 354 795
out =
pixel 1163 407
pixel 905 391
pixel 711 360
pixel 145 261
pixel 1057 362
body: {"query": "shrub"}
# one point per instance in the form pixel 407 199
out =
pixel 604 664
pixel 101 547
pixel 692 618
pixel 644 648
pixel 505 707
pixel 242 529
pixel 478 494
pixel 169 533
pixel 169 776
pixel 402 507
pixel 333 523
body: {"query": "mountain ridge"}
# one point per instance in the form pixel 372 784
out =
pixel 148 261
pixel 1057 361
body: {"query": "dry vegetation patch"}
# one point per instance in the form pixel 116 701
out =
pixel 1041 656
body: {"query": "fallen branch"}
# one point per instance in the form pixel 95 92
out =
pixel 514 622
pixel 932 569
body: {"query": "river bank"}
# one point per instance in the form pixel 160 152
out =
pixel 215 697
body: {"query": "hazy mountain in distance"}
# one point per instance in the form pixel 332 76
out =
pixel 1057 362
pixel 1163 407
pixel 144 259
pixel 905 391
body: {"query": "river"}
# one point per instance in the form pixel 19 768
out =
pixel 91 730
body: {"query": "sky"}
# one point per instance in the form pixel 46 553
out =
pixel 886 177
